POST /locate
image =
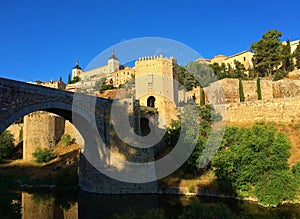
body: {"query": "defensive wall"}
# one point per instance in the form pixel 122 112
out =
pixel 280 100
pixel 285 110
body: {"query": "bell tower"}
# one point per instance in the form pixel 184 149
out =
pixel 77 70
pixel 113 63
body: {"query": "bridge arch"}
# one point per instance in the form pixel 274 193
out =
pixel 59 108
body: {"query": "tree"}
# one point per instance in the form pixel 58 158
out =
pixel 229 71
pixel 38 81
pixel 255 160
pixel 241 91
pixel 259 96
pixel 277 187
pixel 239 70
pixel 203 120
pixel 75 80
pixel 266 58
pixel 202 100
pixel 297 56
pixel 286 58
pixel 200 74
pixel 181 73
pixel 185 79
pixel 69 78
pixel 99 83
pixel 6 144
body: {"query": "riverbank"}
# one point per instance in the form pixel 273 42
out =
pixel 62 173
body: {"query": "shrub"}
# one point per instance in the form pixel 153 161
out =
pixel 42 155
pixel 105 87
pixel 6 144
pixel 256 158
pixel 192 189
pixel 296 170
pixel 277 187
pixel 67 140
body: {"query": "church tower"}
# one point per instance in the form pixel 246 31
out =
pixel 77 70
pixel 113 63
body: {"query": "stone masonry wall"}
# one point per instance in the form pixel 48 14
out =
pixel 276 110
pixel 16 129
pixel 269 89
pixel 41 129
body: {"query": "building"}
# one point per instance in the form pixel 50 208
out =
pixel 121 76
pixel 96 73
pixel 244 57
pixel 155 87
pixel 53 84
pixel 88 79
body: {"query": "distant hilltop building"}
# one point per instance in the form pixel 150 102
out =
pixel 244 57
pixel 114 73
pixel 53 84
pixel 111 66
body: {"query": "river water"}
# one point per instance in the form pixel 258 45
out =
pixel 46 204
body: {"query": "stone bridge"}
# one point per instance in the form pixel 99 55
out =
pixel 91 117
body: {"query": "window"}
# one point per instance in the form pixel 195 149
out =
pixel 151 101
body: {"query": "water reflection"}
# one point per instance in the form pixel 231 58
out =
pixel 47 206
pixel 84 205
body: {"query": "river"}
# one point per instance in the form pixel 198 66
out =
pixel 59 205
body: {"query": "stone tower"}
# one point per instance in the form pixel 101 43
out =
pixel 113 63
pixel 156 86
pixel 77 70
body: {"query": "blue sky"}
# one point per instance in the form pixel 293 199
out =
pixel 41 40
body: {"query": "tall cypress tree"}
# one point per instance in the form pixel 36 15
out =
pixel 259 97
pixel 202 99
pixel 69 78
pixel 286 57
pixel 241 91
pixel 297 56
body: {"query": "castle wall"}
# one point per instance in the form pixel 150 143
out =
pixel 230 89
pixel 286 88
pixel 276 110
pixel 269 90
pixel 250 89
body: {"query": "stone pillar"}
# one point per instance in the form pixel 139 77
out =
pixel 41 129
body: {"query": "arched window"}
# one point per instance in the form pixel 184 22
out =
pixel 151 101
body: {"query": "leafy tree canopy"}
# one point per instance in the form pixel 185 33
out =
pixel 255 160
pixel 266 58
pixel 6 144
